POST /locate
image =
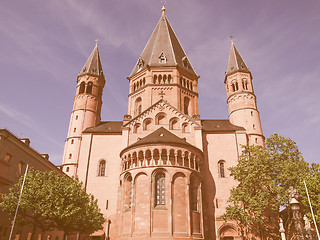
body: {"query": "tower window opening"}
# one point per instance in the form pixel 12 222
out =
pixel 70 156
pixel 254 126
pixel 159 79
pixel 74 130
pixel 181 81
pixel 233 87
pixel 221 168
pixel 138 106
pixel 89 88
pixel 245 84
pixel 164 79
pixel 191 87
pixel 77 117
pixel 188 84
pixel 144 81
pixel 186 105
pixel 155 79
pixel 184 82
pixel 102 168
pixel 72 141
pixel 169 78
pixel 160 190
pixel 251 113
pixel 134 87
pixel 256 140
pixel 81 88
pixel 237 86
pixel 162 58
pixel 67 170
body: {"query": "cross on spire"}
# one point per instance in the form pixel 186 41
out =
pixel 163 5
pixel 231 37
pixel 97 41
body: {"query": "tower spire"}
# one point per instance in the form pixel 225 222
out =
pixel 235 63
pixel 93 65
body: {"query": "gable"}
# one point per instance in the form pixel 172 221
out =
pixel 162 114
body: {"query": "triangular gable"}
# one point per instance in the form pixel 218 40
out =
pixel 162 106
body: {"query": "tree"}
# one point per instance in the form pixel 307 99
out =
pixel 51 201
pixel 264 175
pixel 312 180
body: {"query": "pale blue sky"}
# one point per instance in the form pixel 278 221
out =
pixel 44 44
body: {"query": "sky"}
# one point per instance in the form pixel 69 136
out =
pixel 44 45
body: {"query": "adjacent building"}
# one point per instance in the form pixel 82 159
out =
pixel 15 155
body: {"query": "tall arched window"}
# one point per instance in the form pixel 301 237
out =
pixel 81 88
pixel 102 168
pixel 89 88
pixel 221 169
pixel 160 194
pixel 186 101
pixel 138 106
pixel 127 192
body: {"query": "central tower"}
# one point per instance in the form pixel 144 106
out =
pixel 163 71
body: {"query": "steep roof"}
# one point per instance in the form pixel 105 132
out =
pixel 93 64
pixel 106 127
pixel 236 62
pixel 161 135
pixel 219 126
pixel 163 44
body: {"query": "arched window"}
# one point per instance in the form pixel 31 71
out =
pixel 185 128
pixel 89 88
pixel 186 105
pixel 102 168
pixel 191 87
pixel 155 79
pixel 245 84
pixel 67 170
pixel 174 123
pixel 164 79
pixel 237 86
pixel 160 188
pixel 127 192
pixel 169 78
pixel 137 128
pixel 70 156
pixel 160 79
pixel 81 88
pixel 146 124
pixel 161 118
pixel 233 87
pixel 221 169
pixel 138 106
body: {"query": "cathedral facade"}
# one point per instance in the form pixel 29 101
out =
pixel 161 172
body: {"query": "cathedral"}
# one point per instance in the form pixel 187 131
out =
pixel 162 171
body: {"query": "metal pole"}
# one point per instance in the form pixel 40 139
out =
pixel 314 220
pixel 15 215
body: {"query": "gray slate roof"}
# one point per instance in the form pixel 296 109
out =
pixel 93 65
pixel 163 42
pixel 219 126
pixel 161 135
pixel 236 62
pixel 106 127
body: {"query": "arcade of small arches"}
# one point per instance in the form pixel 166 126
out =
pixel 235 85
pixel 162 79
pixel 160 156
pixel 186 83
pixel 139 84
pixel 160 119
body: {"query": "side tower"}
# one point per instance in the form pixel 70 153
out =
pixel 86 109
pixel 241 99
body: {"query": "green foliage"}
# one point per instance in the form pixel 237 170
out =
pixel 53 201
pixel 312 180
pixel 265 175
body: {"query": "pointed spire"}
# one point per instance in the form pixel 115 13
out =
pixel 235 62
pixel 163 49
pixel 93 65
